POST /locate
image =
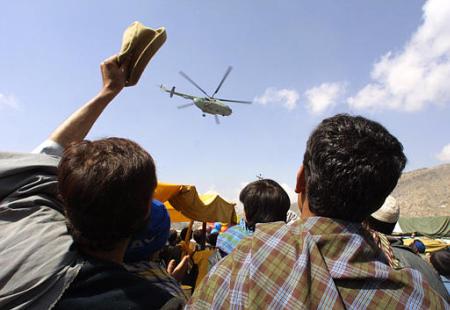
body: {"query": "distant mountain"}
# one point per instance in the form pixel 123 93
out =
pixel 422 192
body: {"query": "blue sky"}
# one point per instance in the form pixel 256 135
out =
pixel 300 61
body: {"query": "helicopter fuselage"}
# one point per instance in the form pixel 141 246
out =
pixel 212 106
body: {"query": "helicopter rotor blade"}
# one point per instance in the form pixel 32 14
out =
pixel 235 101
pixel 193 83
pixel 184 105
pixel 223 80
pixel 217 119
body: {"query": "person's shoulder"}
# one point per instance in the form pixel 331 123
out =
pixel 24 176
pixel 103 285
pixel 231 230
pixel 19 162
pixel 268 239
pixel 236 272
pixel 409 259
pixel 280 226
pixel 277 232
pixel 232 233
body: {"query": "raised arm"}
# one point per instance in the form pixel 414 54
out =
pixel 76 127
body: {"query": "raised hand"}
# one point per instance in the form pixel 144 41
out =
pixel 179 271
pixel 114 75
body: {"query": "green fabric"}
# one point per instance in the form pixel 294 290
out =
pixel 436 226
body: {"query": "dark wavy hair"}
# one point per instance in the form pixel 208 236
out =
pixel 441 262
pixel 351 165
pixel 106 186
pixel 264 201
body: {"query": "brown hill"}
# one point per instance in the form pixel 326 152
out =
pixel 422 192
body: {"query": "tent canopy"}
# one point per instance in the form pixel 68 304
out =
pixel 185 204
pixel 437 226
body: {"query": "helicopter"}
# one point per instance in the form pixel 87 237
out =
pixel 208 104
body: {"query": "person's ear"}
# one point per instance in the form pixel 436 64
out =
pixel 300 186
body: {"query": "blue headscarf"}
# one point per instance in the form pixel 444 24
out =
pixel 152 237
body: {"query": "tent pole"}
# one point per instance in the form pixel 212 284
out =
pixel 203 246
pixel 187 239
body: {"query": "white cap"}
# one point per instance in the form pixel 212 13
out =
pixel 389 211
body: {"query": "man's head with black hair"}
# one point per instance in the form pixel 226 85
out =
pixel 183 234
pixel 199 237
pixel 264 201
pixel 212 238
pixel 173 237
pixel 351 164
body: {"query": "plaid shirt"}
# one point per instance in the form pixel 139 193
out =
pixel 320 263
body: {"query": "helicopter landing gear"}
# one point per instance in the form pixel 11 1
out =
pixel 203 115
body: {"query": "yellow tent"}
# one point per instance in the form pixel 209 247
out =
pixel 184 204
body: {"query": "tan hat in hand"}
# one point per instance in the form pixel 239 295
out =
pixel 139 43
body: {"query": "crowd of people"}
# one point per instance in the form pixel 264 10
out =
pixel 80 230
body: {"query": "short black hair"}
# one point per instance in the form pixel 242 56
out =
pixel 199 237
pixel 264 201
pixel 173 237
pixel 212 238
pixel 184 232
pixel 351 165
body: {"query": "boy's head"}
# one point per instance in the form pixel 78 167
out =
pixel 107 186
pixel 264 201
